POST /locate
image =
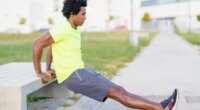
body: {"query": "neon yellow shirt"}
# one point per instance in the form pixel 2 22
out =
pixel 66 50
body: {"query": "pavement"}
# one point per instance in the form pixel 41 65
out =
pixel 168 62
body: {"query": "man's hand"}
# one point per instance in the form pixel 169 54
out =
pixel 52 73
pixel 45 77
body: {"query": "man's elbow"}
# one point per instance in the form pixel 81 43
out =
pixel 37 44
pixel 34 44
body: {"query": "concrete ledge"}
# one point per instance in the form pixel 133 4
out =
pixel 18 80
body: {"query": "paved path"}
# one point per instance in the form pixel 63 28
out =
pixel 168 62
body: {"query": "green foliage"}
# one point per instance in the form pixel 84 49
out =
pixel 144 41
pixel 146 17
pixel 66 104
pixel 50 21
pixel 111 18
pixel 35 99
pixel 107 52
pixel 198 18
pixel 16 47
pixel 193 38
pixel 22 21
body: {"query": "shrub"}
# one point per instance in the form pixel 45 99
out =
pixel 146 17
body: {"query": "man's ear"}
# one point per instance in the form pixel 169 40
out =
pixel 71 14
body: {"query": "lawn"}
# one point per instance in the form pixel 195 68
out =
pixel 193 38
pixel 104 52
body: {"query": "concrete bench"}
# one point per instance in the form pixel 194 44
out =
pixel 18 80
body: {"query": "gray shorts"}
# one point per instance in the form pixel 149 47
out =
pixel 89 83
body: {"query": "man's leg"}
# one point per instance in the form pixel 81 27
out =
pixel 89 83
pixel 130 100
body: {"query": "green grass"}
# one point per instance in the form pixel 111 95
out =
pixel 16 47
pixel 104 52
pixel 35 99
pixel 66 104
pixel 144 41
pixel 193 38
pixel 108 52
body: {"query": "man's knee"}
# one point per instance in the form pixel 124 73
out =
pixel 117 92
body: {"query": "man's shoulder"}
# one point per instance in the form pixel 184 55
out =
pixel 63 27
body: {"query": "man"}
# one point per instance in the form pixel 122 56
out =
pixel 65 41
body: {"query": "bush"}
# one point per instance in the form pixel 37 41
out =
pixel 198 18
pixel 50 21
pixel 22 21
pixel 146 17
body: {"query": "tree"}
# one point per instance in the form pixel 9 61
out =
pixel 198 18
pixel 22 21
pixel 50 21
pixel 146 17
pixel 111 18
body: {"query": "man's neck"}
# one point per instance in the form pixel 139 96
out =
pixel 72 23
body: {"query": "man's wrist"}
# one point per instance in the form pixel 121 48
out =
pixel 48 69
pixel 39 73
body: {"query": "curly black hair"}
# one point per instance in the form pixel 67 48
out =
pixel 73 7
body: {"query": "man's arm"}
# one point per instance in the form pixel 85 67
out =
pixel 48 58
pixel 49 61
pixel 38 46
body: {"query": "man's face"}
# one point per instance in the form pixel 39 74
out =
pixel 80 17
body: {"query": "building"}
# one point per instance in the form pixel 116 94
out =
pixel 170 13
pixel 32 15
pixel 164 14
pixel 102 15
pixel 28 15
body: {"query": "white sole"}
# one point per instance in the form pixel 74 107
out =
pixel 177 98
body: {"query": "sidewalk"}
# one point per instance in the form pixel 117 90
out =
pixel 168 62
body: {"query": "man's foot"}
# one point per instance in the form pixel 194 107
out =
pixel 171 102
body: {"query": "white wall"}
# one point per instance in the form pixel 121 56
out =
pixel 98 12
pixel 179 11
pixel 37 13
pixel 96 15
pixel 11 12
